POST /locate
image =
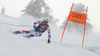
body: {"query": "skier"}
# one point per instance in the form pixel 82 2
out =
pixel 41 27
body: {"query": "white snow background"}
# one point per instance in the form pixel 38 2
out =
pixel 17 45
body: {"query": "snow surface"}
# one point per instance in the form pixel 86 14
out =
pixel 17 45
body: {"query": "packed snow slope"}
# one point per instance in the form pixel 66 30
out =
pixel 17 45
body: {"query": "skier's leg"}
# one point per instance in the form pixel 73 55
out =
pixel 32 30
pixel 37 34
pixel 29 31
pixel 24 31
pixel 20 32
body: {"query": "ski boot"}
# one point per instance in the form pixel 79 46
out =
pixel 16 32
pixel 27 36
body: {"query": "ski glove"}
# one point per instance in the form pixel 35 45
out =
pixel 34 26
pixel 48 40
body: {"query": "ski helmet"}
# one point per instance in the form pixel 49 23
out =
pixel 45 20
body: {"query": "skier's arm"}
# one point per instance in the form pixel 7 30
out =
pixel 38 22
pixel 49 35
pixel 35 23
